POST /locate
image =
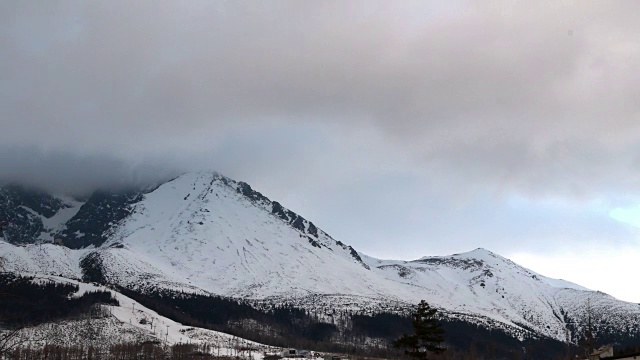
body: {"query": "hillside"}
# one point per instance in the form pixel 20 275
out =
pixel 109 328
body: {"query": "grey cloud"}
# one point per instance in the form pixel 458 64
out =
pixel 67 173
pixel 534 98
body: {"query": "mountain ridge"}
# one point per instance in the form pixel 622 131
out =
pixel 206 233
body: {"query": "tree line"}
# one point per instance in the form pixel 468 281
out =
pixel 365 335
pixel 25 302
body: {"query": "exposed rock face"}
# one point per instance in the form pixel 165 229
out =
pixel 33 216
pixel 93 223
pixel 23 210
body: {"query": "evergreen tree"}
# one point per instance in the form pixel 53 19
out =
pixel 428 334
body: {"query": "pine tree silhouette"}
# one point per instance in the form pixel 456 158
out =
pixel 428 334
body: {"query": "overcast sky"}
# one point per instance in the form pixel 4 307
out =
pixel 402 128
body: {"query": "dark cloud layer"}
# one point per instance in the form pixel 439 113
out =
pixel 78 175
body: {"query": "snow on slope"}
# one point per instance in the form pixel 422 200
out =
pixel 485 284
pixel 58 222
pixel 202 232
pixel 482 283
pixel 42 259
pixel 201 229
pixel 132 322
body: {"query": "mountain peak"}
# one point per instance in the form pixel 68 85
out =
pixel 477 254
pixel 203 232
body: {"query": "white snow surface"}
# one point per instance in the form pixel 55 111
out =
pixel 57 222
pixel 199 233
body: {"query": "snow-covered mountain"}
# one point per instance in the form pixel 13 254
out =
pixel 205 233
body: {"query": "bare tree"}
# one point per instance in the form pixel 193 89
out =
pixel 10 339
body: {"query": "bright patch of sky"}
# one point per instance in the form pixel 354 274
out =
pixel 612 270
pixel 627 215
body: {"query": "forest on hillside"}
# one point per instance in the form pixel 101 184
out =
pixel 24 301
pixel 352 333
